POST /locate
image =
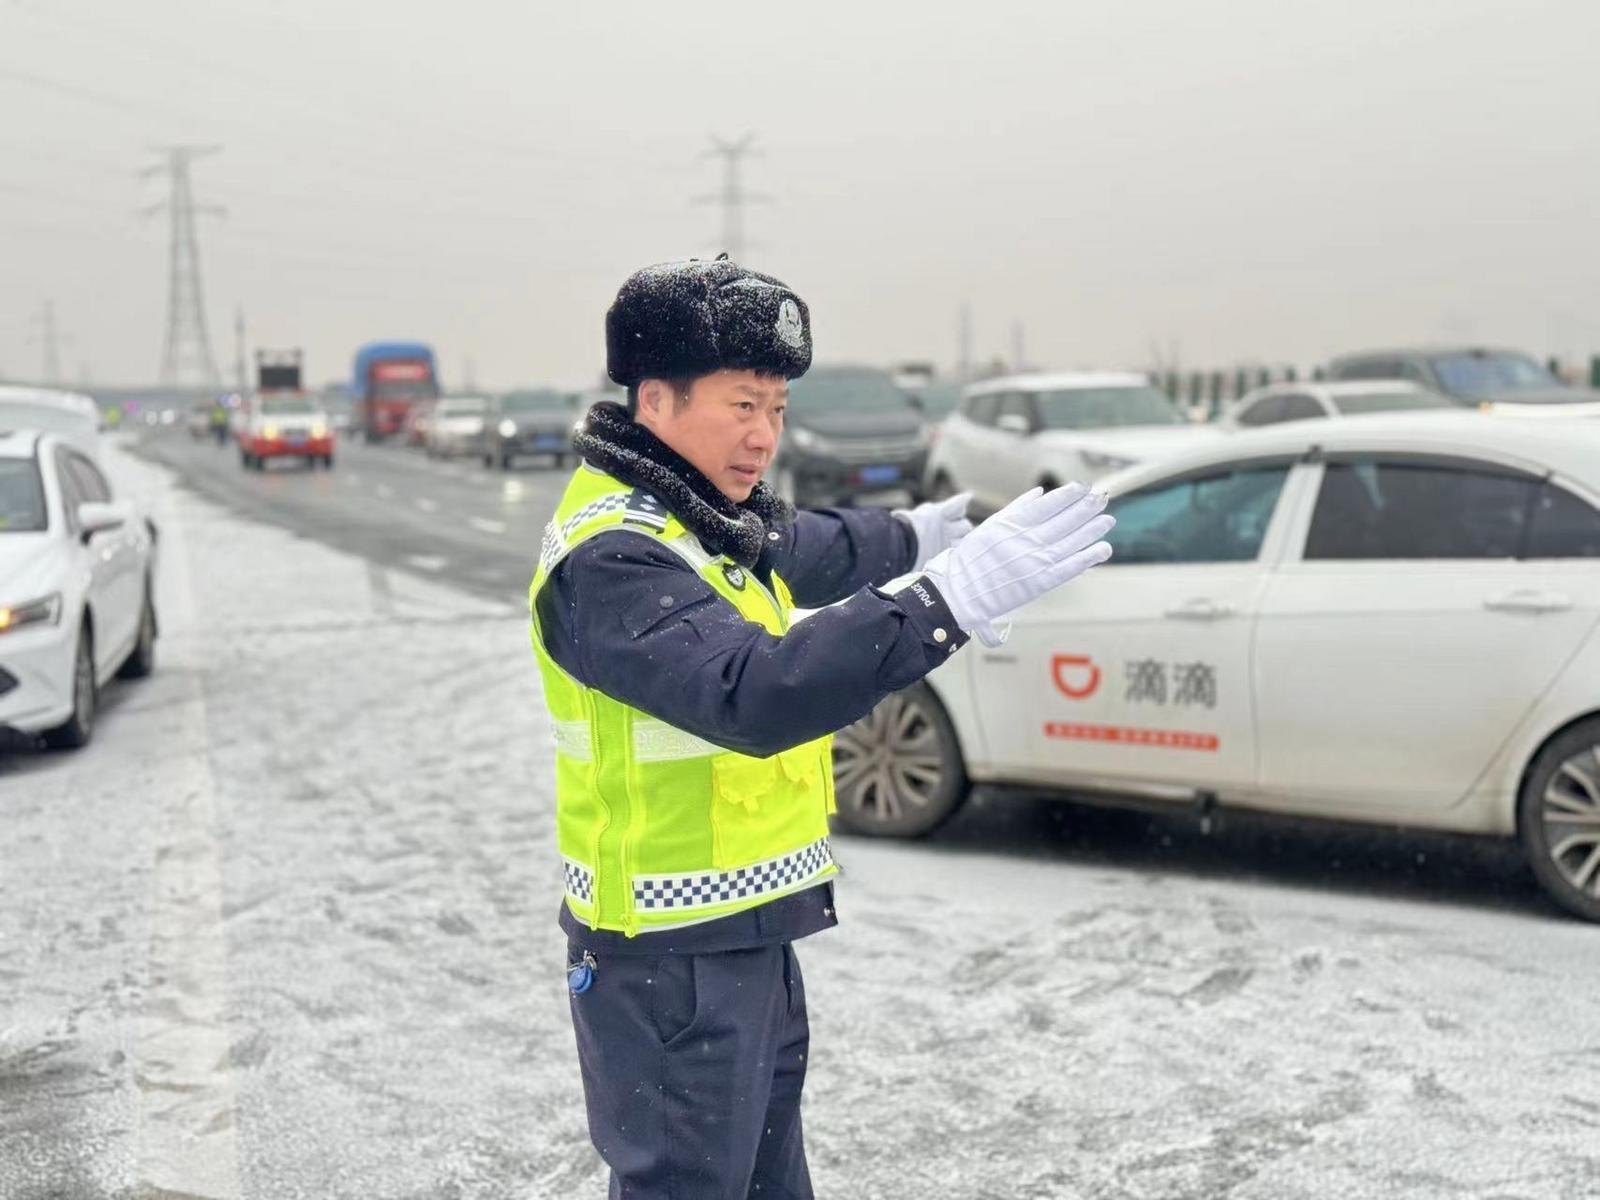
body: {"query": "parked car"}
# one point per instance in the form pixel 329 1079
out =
pixel 455 426
pixel 77 597
pixel 1474 376
pixel 849 432
pixel 283 425
pixel 1013 433
pixel 1391 620
pixel 71 415
pixel 1279 402
pixel 535 421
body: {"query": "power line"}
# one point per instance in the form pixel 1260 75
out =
pixel 186 355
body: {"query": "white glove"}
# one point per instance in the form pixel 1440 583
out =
pixel 939 524
pixel 1037 542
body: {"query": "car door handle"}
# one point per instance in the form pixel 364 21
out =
pixel 1200 610
pixel 1528 601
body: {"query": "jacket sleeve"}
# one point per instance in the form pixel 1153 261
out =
pixel 624 614
pixel 831 553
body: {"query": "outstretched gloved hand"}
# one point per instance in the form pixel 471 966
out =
pixel 1037 542
pixel 939 524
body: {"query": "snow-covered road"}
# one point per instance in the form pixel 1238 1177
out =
pixel 286 929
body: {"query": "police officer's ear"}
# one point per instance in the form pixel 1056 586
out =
pixel 658 398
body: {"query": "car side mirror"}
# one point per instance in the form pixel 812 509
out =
pixel 95 517
pixel 1013 423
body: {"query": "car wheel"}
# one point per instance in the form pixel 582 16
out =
pixel 942 488
pixel 327 462
pixel 505 462
pixel 561 461
pixel 897 772
pixel 142 659
pixel 79 728
pixel 1049 483
pixel 1558 816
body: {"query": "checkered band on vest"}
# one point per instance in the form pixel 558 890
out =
pixel 580 881
pixel 672 893
pixel 550 546
pixel 554 543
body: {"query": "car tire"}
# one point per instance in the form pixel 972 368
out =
pixel 79 728
pixel 561 461
pixel 898 772
pixel 505 461
pixel 1049 482
pixel 141 659
pixel 327 462
pixel 1558 819
pixel 942 488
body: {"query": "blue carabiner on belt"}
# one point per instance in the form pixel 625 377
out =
pixel 580 975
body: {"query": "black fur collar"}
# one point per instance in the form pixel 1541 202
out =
pixel 618 445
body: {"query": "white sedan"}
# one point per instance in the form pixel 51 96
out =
pixel 1280 402
pixel 1384 619
pixel 77 606
pixel 1011 433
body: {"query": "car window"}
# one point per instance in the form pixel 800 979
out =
pixel 1372 402
pixel 22 508
pixel 1016 404
pixel 1563 526
pixel 1485 373
pixel 91 484
pixel 1387 510
pixel 1368 368
pixel 1265 411
pixel 980 409
pixel 72 493
pixel 1219 517
pixel 1107 408
pixel 1300 407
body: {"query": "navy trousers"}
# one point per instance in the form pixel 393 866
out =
pixel 693 1066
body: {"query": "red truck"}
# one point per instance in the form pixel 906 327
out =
pixel 391 380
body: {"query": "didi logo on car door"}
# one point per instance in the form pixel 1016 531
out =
pixel 1076 675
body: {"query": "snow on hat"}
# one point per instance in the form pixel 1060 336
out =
pixel 680 320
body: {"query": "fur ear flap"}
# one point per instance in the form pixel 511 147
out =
pixel 626 450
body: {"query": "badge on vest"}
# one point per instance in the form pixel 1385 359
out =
pixel 734 574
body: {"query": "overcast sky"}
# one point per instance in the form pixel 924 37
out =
pixel 1232 180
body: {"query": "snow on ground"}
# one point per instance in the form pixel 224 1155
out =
pixel 287 930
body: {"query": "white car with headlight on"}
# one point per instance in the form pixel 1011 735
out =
pixel 1390 620
pixel 1010 434
pixel 77 603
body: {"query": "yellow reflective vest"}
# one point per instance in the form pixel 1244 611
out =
pixel 659 828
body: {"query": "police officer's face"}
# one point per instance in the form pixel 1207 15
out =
pixel 728 430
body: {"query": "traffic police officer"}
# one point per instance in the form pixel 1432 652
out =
pixel 692 716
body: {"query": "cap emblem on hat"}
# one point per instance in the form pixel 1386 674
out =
pixel 791 331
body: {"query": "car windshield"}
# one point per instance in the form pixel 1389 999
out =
pixel 21 496
pixel 463 406
pixel 287 406
pixel 1494 375
pixel 537 402
pixel 938 399
pixel 47 418
pixel 836 391
pixel 1106 408
pixel 1372 402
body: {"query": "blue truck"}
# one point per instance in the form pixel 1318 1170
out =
pixel 392 380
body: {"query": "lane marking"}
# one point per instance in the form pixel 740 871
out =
pixel 426 562
pixel 385 491
pixel 487 525
pixel 427 505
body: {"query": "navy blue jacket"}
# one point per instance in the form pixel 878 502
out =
pixel 625 615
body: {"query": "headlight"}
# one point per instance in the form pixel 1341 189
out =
pixel 46 611
pixel 802 438
pixel 508 428
pixel 319 431
pixel 1096 461
pixel 270 432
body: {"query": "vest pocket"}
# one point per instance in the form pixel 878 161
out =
pixel 765 806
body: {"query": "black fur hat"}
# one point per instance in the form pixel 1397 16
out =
pixel 680 320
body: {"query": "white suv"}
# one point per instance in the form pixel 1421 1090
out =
pixel 76 588
pixel 1012 433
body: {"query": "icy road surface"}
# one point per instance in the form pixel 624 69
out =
pixel 286 930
